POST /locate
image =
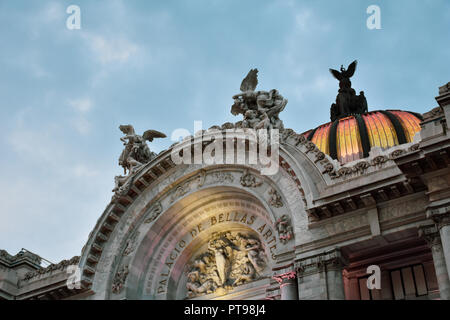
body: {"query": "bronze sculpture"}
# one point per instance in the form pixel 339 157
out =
pixel 347 102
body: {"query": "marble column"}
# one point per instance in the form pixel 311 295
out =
pixel 443 224
pixel 335 280
pixel 288 285
pixel 320 276
pixel 433 238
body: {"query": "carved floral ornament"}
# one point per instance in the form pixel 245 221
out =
pixel 275 198
pixel 198 181
pixel 431 235
pixel 53 267
pixel 119 280
pixel 284 228
pixel 131 244
pixel 154 212
pixel 249 180
pixel 285 277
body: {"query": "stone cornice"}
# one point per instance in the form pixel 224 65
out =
pixel 21 257
pixel 444 95
pixel 62 265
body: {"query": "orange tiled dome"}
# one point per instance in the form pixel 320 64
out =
pixel 352 137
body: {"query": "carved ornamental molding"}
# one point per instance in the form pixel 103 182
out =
pixel 430 234
pixel 332 168
pixel 440 215
pixel 286 277
pixel 284 228
pixel 62 265
pixel 275 198
pixel 119 280
pixel 249 180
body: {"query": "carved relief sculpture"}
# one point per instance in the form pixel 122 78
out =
pixel 154 212
pixel 131 244
pixel 275 198
pixel 230 260
pixel 249 180
pixel 119 280
pixel 284 229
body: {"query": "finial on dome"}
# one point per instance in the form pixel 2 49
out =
pixel 347 102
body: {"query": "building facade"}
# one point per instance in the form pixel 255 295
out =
pixel 366 189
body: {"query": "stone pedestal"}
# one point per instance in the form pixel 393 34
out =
pixel 433 238
pixel 288 285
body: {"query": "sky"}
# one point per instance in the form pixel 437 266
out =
pixel 163 65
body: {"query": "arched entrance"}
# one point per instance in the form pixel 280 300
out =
pixel 212 242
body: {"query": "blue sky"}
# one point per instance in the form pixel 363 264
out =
pixel 164 64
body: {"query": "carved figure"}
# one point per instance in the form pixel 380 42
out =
pixel 222 251
pixel 194 286
pixel 231 259
pixel 136 151
pixel 275 199
pixel 284 229
pixel 119 280
pixel 247 273
pixel 347 102
pixel 260 108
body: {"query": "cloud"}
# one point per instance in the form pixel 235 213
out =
pixel 112 49
pixel 82 125
pixel 81 105
pixel 80 121
pixel 83 171
pixel 54 11
pixel 303 19
pixel 39 146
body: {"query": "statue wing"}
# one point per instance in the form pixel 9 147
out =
pixel 336 74
pixel 351 69
pixel 250 81
pixel 127 129
pixel 150 134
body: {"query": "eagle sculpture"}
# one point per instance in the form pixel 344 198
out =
pixel 345 73
pixel 250 81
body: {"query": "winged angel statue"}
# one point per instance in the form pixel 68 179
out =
pixel 136 152
pixel 347 102
pixel 260 108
